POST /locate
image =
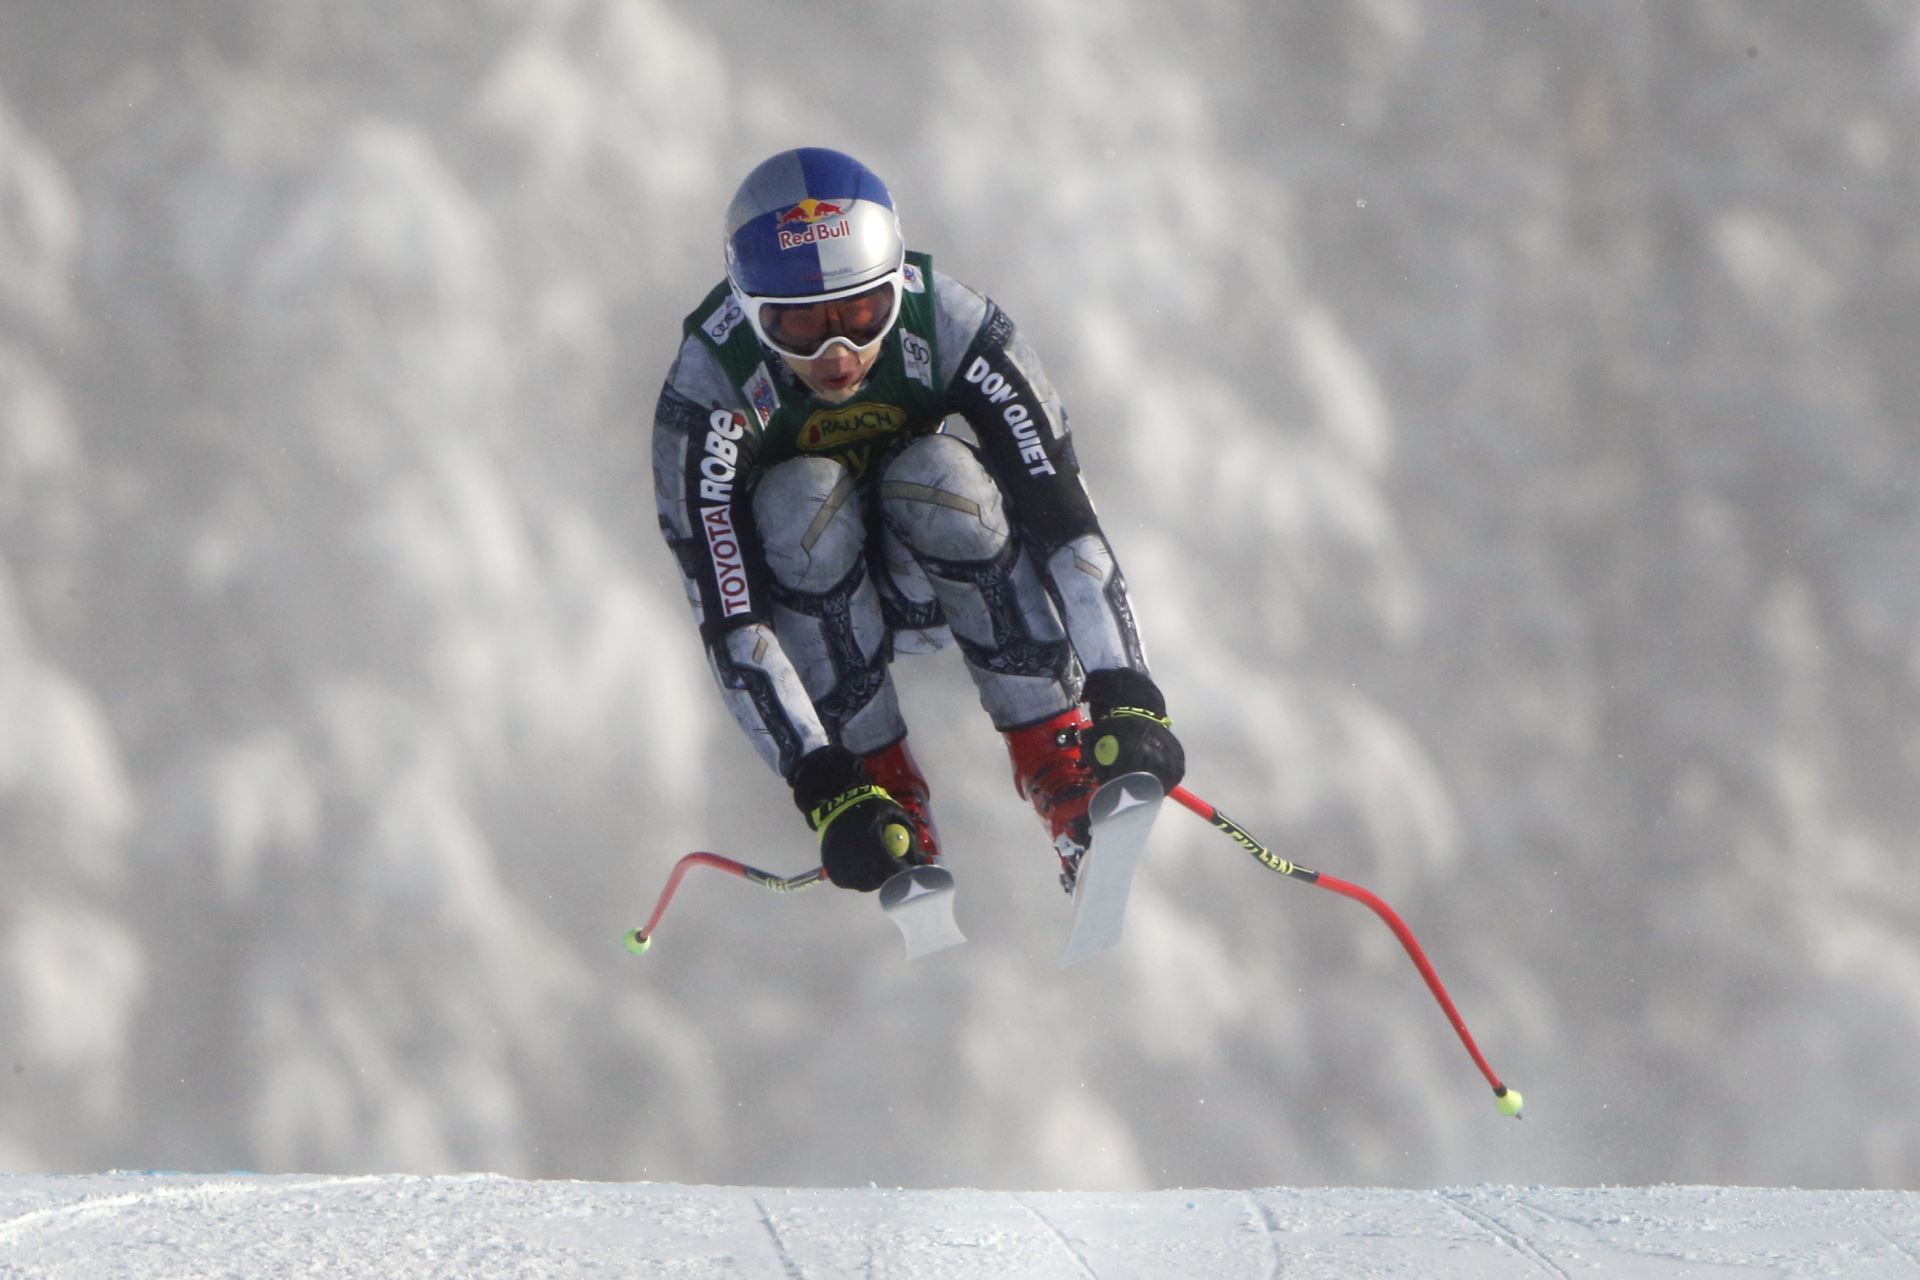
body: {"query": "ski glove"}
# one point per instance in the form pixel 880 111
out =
pixel 865 836
pixel 1130 732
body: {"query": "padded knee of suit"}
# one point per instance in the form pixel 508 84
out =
pixel 941 502
pixel 811 531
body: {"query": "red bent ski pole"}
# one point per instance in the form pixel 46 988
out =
pixel 638 940
pixel 1509 1099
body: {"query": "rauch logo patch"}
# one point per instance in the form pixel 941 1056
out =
pixel 831 428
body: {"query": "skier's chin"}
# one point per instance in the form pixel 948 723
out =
pixel 837 394
pixel 835 378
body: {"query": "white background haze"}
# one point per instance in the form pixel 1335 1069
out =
pixel 1506 415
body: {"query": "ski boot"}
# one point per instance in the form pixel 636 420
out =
pixel 1049 774
pixel 895 771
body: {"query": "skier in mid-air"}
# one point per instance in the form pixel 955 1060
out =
pixel 826 516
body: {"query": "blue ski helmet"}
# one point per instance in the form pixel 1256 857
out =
pixel 811 223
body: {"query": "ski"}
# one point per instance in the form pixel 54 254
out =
pixel 919 901
pixel 1122 814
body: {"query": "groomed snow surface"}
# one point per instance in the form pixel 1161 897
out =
pixel 142 1226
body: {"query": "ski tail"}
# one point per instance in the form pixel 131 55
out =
pixel 919 901
pixel 1121 817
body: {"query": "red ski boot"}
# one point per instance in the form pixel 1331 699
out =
pixel 894 770
pixel 1049 774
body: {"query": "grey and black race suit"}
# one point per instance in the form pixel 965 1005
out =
pixel 818 540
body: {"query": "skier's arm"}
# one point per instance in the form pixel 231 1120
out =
pixel 703 459
pixel 703 453
pixel 998 386
pixel 995 382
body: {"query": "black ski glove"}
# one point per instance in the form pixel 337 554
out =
pixel 1130 732
pixel 865 836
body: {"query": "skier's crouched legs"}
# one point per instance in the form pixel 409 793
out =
pixel 825 609
pixel 815 537
pixel 941 500
pixel 808 513
pixel 941 504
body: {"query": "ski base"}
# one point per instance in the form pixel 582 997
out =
pixel 1122 814
pixel 919 901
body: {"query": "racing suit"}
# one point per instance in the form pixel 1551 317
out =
pixel 817 540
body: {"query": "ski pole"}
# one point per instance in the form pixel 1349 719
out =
pixel 638 940
pixel 1509 1100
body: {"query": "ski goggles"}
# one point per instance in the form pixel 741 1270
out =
pixel 804 329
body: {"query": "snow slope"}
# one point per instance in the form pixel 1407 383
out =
pixel 142 1226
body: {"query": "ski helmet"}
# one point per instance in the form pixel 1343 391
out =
pixel 813 226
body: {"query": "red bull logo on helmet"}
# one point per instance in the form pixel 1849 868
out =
pixel 812 221
pixel 811 211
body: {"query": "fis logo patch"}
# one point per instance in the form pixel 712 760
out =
pixel 761 395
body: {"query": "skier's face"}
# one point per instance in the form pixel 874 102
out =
pixel 836 373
